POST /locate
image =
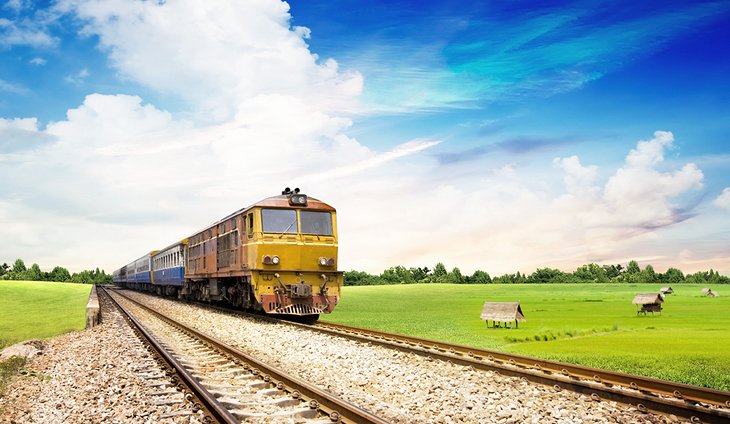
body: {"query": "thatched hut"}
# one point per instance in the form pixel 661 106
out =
pixel 650 302
pixel 666 290
pixel 502 312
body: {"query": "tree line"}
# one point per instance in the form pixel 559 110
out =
pixel 60 274
pixel 589 273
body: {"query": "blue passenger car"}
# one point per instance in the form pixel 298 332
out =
pixel 168 265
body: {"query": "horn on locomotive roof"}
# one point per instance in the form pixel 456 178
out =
pixel 288 192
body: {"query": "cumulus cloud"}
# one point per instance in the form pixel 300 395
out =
pixel 20 134
pixel 723 200
pixel 578 178
pixel 228 52
pixel 646 192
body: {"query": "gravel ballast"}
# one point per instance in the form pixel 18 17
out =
pixel 95 376
pixel 397 386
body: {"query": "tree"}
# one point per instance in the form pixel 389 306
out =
pixel 4 268
pixel 18 271
pixel 397 275
pixel 613 271
pixel 546 275
pixel 633 267
pixel 455 277
pixel 591 273
pixel 480 277
pixel 439 270
pixel 419 274
pixel 673 276
pixel 34 273
pixel 648 275
pixel 59 274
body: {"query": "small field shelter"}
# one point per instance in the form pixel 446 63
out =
pixel 648 302
pixel 502 312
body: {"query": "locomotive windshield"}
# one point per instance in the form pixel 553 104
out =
pixel 284 221
pixel 319 223
pixel 281 221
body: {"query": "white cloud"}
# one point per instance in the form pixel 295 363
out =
pixel 38 61
pixel 650 152
pixel 25 32
pixel 16 5
pixel 228 52
pixel 78 78
pixel 18 135
pixel 578 179
pixel 12 88
pixel 723 200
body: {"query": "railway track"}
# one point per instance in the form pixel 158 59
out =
pixel 230 385
pixel 698 404
pixel 637 393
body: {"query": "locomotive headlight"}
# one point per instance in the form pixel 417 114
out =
pixel 275 260
pixel 326 261
pixel 298 200
pixel 267 260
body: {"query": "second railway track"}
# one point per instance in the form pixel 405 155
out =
pixel 463 384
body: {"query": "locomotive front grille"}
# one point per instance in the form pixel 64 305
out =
pixel 299 309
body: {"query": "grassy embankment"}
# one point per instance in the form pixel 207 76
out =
pixel 36 310
pixel 593 325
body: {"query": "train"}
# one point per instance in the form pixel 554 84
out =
pixel 277 256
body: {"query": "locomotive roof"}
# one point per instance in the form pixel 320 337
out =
pixel 280 201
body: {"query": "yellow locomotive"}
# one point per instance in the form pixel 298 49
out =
pixel 278 256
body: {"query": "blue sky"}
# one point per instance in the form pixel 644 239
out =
pixel 502 129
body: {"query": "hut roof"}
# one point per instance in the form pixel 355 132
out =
pixel 647 299
pixel 666 289
pixel 502 311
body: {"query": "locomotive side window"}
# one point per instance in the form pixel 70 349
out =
pixel 318 223
pixel 280 221
pixel 250 225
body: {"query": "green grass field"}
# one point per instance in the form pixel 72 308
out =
pixel 593 325
pixel 36 310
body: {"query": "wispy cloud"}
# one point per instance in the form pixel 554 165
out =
pixel 723 200
pixel 78 78
pixel 514 146
pixel 12 88
pixel 25 31
pixel 508 53
pixel 38 61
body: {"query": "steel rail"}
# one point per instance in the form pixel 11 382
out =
pixel 337 409
pixel 206 400
pixel 648 394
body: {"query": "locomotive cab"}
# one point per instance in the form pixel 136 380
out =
pixel 294 257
